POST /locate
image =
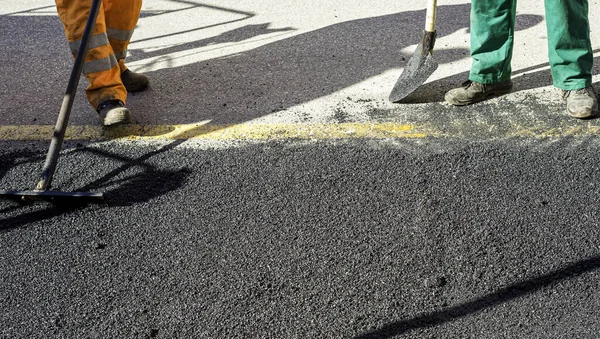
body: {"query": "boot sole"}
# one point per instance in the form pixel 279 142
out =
pixel 591 114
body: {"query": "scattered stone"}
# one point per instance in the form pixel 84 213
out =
pixel 435 282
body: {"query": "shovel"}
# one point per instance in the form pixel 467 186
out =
pixel 42 190
pixel 421 65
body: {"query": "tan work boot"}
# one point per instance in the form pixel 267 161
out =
pixel 113 112
pixel 472 92
pixel 134 82
pixel 581 103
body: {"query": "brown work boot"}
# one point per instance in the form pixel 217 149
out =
pixel 581 103
pixel 113 112
pixel 134 82
pixel 472 92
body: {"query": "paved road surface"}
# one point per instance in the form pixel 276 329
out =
pixel 268 189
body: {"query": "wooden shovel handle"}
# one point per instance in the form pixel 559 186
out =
pixel 431 15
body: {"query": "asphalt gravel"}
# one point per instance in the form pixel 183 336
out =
pixel 487 227
pixel 428 238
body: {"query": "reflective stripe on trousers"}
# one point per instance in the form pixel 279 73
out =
pixel 108 45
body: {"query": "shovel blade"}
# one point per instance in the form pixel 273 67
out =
pixel 420 66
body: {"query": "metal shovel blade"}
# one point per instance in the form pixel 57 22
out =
pixel 420 66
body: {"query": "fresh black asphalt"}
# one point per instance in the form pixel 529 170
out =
pixel 427 238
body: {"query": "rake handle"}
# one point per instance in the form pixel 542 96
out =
pixel 67 104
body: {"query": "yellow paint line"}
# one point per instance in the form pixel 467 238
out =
pixel 282 131
pixel 205 131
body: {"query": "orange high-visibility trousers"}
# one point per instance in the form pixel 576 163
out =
pixel 107 45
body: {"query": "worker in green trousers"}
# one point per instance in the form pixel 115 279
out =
pixel 569 52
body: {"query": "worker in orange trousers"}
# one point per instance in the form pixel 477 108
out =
pixel 104 66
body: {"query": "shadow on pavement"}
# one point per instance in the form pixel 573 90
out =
pixel 236 88
pixel 133 189
pixel 503 295
pixel 14 159
pixel 292 71
pixel 241 87
pixel 17 158
pixel 137 188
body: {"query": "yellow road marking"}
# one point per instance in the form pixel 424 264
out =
pixel 280 131
pixel 217 132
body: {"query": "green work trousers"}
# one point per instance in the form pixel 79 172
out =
pixel 569 47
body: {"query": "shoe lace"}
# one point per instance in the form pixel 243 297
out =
pixel 469 83
pixel 109 104
pixel 581 91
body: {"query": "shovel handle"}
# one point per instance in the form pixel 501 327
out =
pixel 431 15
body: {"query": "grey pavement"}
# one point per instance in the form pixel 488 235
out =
pixel 315 239
pixel 487 227
pixel 255 61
